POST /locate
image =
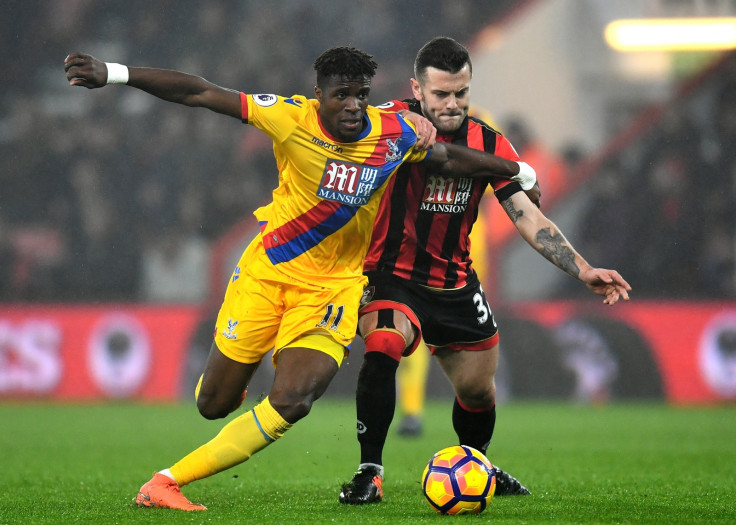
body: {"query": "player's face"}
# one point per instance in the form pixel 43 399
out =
pixel 342 104
pixel 444 97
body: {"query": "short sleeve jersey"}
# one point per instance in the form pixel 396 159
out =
pixel 320 220
pixel 422 230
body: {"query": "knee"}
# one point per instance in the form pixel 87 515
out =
pixel 211 408
pixel 292 407
pixel 477 395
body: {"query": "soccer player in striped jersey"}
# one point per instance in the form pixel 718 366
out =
pixel 297 286
pixel 421 281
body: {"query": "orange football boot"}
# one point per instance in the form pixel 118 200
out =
pixel 164 492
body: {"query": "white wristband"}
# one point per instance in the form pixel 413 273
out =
pixel 527 177
pixel 116 73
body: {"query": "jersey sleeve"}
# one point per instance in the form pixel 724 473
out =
pixel 394 105
pixel 276 116
pixel 505 149
pixel 412 155
pixel 504 188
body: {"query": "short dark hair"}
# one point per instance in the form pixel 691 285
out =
pixel 443 53
pixel 344 61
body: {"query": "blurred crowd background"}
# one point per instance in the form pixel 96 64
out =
pixel 662 210
pixel 112 195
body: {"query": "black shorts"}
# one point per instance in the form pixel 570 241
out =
pixel 460 318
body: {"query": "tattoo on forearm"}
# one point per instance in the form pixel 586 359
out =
pixel 557 250
pixel 511 210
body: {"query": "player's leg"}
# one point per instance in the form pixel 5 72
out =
pixel 240 342
pixel 387 334
pixel 246 329
pixel 302 376
pixel 305 364
pixel 220 389
pixel 456 318
pixel 472 374
pixel 464 315
pixel 306 361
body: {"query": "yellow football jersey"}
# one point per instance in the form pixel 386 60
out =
pixel 320 220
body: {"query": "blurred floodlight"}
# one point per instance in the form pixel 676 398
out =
pixel 672 34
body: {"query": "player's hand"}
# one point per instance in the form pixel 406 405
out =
pixel 607 283
pixel 85 70
pixel 535 195
pixel 426 132
pixel 527 177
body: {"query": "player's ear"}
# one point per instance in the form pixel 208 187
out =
pixel 318 93
pixel 416 88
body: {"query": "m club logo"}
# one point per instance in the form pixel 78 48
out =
pixel 446 195
pixel 348 183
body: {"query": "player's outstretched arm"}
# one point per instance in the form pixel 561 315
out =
pixel 173 86
pixel 545 237
pixel 453 160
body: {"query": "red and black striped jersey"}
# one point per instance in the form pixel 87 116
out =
pixel 421 231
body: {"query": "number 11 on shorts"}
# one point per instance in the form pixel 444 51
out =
pixel 330 310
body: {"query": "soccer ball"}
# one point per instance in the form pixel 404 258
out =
pixel 459 480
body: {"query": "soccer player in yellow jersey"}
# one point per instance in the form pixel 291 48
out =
pixel 298 285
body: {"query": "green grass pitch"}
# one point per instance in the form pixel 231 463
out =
pixel 608 464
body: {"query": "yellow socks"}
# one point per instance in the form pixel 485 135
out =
pixel 236 443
